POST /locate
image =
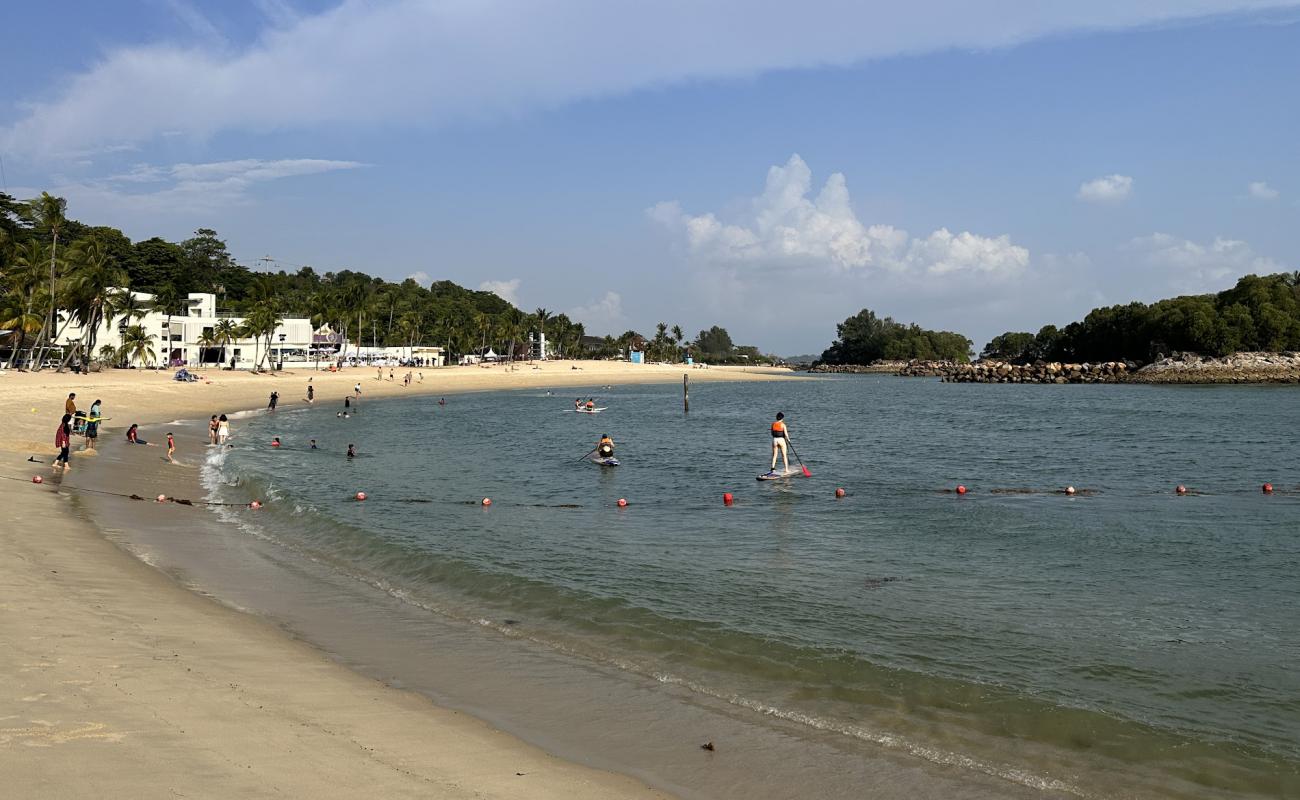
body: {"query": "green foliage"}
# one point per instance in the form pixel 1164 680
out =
pixel 864 338
pixel 714 345
pixel 1259 313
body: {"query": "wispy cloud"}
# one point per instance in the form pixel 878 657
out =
pixel 605 314
pixel 1194 267
pixel 506 290
pixel 786 227
pixel 1262 191
pixel 1106 189
pixel 149 189
pixel 377 62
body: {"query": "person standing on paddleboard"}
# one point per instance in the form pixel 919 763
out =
pixel 780 441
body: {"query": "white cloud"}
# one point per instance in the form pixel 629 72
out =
pixel 376 62
pixel 1106 189
pixel 1200 267
pixel 506 290
pixel 785 227
pixel 1262 191
pixel 605 314
pixel 148 189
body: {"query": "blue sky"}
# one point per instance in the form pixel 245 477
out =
pixel 769 167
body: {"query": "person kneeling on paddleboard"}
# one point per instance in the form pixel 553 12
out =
pixel 780 439
pixel 606 447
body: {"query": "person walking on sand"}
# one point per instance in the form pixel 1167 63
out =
pixel 92 424
pixel 311 392
pixel 171 448
pixel 275 398
pixel 356 390
pixel 62 441
pixel 780 441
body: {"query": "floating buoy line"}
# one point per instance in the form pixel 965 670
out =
pixel 729 499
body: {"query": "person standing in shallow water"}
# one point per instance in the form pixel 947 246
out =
pixel 62 440
pixel 92 424
pixel 311 392
pixel 275 398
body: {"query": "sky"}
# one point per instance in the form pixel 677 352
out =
pixel 770 167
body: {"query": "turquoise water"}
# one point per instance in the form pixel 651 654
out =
pixel 1123 641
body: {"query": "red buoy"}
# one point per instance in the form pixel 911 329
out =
pixel 1267 488
pixel 361 495
pixel 487 501
pixel 37 479
pixel 622 503
pixel 839 492
pixel 1181 489
pixel 727 498
pixel 961 489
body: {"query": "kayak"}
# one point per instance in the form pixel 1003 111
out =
pixel 776 476
pixel 590 411
pixel 606 462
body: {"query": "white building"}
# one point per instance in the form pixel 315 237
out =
pixel 294 343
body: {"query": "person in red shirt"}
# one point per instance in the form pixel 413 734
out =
pixel 171 448
pixel 61 441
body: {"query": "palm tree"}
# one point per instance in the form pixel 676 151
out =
pixel 24 280
pixel 108 354
pixel 91 284
pixel 167 300
pixel 678 335
pixel 225 332
pixel 49 212
pixel 207 342
pixel 137 345
pixel 17 316
pixel 542 316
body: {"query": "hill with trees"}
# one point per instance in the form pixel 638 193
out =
pixel 1258 314
pixel 864 338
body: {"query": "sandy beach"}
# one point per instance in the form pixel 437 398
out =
pixel 124 684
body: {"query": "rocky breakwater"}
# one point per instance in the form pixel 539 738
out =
pixel 874 368
pixel 1004 372
pixel 1236 368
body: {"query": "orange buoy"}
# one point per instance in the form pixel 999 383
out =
pixel 1267 488
pixel 622 503
pixel 256 504
pixel 727 498
pixel 37 479
pixel 839 492
pixel 961 489
pixel 1180 489
pixel 487 501
pixel 361 495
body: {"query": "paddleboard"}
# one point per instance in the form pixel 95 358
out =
pixel 606 462
pixel 590 411
pixel 776 476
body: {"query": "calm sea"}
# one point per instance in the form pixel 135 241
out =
pixel 1120 642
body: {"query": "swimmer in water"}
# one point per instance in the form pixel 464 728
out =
pixel 352 451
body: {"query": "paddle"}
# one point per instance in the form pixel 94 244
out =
pixel 594 449
pixel 802 466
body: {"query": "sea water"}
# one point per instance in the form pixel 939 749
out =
pixel 1123 641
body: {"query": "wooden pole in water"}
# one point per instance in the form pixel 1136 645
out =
pixel 686 393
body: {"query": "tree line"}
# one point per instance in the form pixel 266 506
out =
pixel 56 272
pixel 1257 314
pixel 864 338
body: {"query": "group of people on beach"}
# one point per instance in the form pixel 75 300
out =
pixel 74 421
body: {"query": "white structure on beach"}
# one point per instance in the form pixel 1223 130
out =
pixel 294 343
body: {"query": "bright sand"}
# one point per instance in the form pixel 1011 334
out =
pixel 120 683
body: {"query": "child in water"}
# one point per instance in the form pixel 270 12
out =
pixel 313 444
pixel 352 451
pixel 171 448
